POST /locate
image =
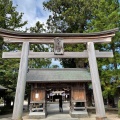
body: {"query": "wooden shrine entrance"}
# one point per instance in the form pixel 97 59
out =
pixel 56 90
pixel 58 39
pixel 72 94
pixel 66 84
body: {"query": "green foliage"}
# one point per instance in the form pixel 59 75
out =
pixel 54 66
pixel 5 110
pixel 119 108
pixel 105 17
pixel 39 63
pixel 12 20
pixel 69 17
pixel 1 100
pixel 9 17
pixel 38 28
pixel 72 63
pixel 73 16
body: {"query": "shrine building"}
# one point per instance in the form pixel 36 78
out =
pixel 48 85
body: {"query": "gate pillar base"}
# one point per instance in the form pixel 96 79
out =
pixel 37 115
pixel 17 119
pixel 79 114
pixel 101 118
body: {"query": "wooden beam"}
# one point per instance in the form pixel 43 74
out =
pixel 19 37
pixel 83 54
pixel 68 40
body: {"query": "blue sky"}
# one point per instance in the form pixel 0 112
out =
pixel 33 11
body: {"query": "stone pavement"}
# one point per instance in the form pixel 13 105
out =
pixel 54 114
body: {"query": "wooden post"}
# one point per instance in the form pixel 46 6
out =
pixel 21 83
pixel 100 110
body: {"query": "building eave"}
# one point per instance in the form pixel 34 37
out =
pixel 58 75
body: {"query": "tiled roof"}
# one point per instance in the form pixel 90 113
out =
pixel 58 75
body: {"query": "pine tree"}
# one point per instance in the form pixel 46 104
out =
pixel 107 16
pixel 12 20
pixel 90 16
pixel 69 17
pixel 43 62
pixel 9 17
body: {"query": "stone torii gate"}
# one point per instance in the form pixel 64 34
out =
pixel 69 38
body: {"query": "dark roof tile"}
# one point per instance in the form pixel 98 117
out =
pixel 58 75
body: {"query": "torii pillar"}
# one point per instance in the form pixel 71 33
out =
pixel 21 83
pixel 99 104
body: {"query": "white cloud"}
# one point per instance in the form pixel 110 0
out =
pixel 33 11
pixel 56 62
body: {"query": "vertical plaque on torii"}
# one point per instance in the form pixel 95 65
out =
pixel 58 46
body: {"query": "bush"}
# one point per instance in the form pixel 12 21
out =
pixel 119 108
pixel 5 110
pixel 1 101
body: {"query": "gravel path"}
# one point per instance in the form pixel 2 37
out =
pixel 54 114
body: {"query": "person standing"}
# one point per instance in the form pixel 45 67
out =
pixel 60 104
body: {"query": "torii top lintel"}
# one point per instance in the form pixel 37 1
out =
pixel 19 37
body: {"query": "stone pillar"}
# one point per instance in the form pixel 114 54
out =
pixel 99 104
pixel 21 83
